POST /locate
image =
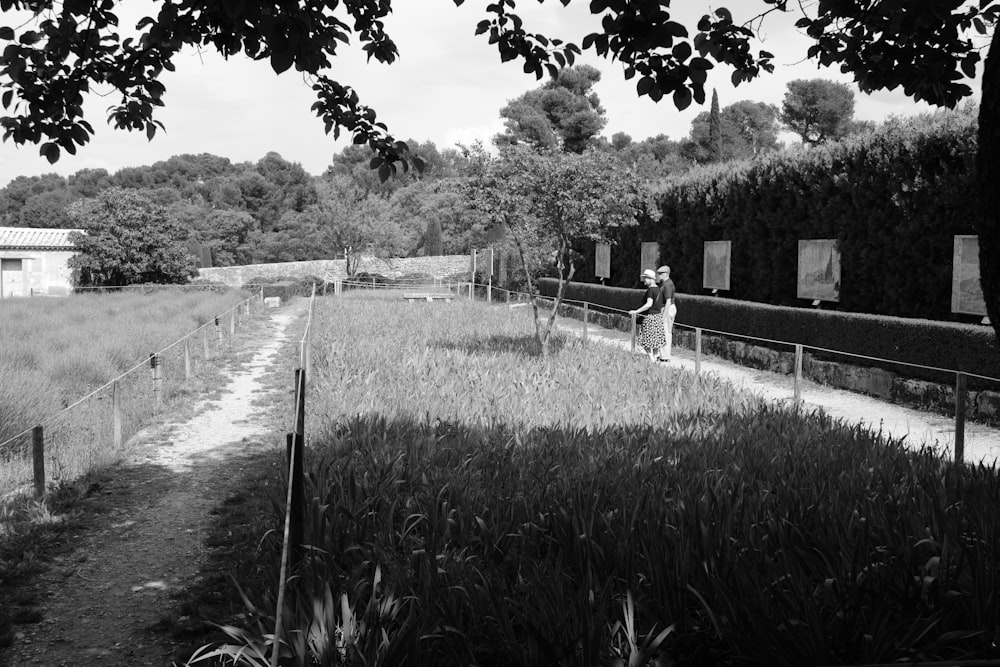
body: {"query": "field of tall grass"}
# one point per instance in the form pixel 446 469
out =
pixel 55 351
pixel 469 502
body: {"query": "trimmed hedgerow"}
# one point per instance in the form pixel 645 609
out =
pixel 894 198
pixel 961 347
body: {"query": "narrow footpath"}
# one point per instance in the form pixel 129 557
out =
pixel 100 602
pixel 982 443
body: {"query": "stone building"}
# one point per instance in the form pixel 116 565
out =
pixel 34 262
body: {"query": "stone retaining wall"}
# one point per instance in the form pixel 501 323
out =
pixel 332 269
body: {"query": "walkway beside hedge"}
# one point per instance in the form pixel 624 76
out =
pixel 982 443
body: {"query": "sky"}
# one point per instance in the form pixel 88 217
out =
pixel 448 86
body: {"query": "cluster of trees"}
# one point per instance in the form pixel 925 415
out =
pixel 48 65
pixel 273 211
pixel 552 182
pixel 268 211
pixel 817 110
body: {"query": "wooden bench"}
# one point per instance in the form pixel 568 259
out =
pixel 428 296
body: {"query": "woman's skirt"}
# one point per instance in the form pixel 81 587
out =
pixel 651 334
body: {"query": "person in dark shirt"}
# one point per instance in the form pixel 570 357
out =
pixel 651 333
pixel 669 311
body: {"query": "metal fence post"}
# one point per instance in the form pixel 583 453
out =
pixel 961 394
pixel 586 312
pixel 218 333
pixel 798 373
pixel 38 460
pixel 697 350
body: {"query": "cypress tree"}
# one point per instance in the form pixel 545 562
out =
pixel 715 130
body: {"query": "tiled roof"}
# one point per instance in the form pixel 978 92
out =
pixel 23 238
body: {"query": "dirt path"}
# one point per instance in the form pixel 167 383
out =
pixel 100 601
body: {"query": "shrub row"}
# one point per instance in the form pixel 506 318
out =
pixel 894 199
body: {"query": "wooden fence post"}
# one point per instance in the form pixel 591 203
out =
pixel 204 337
pixel 633 333
pixel 798 374
pixel 961 394
pixel 116 416
pixel 187 359
pixel 38 460
pixel 232 327
pixel 307 366
pixel 156 364
pixel 697 350
pixel 586 312
pixel 218 333
pixel 296 451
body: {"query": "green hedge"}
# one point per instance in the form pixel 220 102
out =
pixel 894 199
pixel 960 347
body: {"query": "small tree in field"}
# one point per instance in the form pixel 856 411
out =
pixel 127 239
pixel 549 200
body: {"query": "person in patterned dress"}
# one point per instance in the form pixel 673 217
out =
pixel 651 333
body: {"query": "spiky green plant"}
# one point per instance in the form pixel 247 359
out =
pixel 569 510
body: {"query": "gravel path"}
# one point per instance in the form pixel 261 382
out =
pixel 100 601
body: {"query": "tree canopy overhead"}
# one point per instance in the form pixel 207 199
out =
pixel 48 65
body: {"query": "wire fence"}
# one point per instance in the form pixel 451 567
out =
pixel 292 537
pixel 622 320
pixel 612 318
pixel 615 318
pixel 94 430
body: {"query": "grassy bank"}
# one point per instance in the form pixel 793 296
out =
pixel 57 350
pixel 54 351
pixel 470 503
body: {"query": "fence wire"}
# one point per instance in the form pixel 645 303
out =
pixel 94 430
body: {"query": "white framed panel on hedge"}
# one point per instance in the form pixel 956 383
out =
pixel 818 270
pixel 649 255
pixel 602 260
pixel 966 288
pixel 715 272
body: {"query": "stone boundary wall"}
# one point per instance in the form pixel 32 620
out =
pixel 332 269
